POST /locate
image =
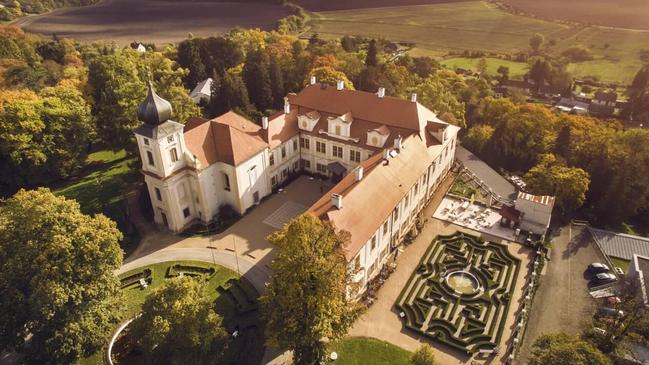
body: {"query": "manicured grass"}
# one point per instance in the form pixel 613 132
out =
pixel 439 28
pixel 103 182
pixel 621 263
pixel 463 189
pixel 102 187
pixel 516 69
pixel 134 297
pixel 361 351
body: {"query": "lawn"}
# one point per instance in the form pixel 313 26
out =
pixel 463 189
pixel 437 29
pixel 621 263
pixel 361 351
pixel 516 69
pixel 103 187
pixel 134 297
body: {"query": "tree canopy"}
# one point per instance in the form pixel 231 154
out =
pixel 56 278
pixel 425 355
pixel 307 298
pixel 562 349
pixel 178 325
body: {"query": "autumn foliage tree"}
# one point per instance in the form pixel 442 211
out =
pixel 306 300
pixel 563 349
pixel 178 325
pixel 59 296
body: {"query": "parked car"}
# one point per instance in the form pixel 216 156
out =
pixel 619 271
pixel 597 267
pixel 603 278
pixel 610 312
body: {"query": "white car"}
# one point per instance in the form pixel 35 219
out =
pixel 604 278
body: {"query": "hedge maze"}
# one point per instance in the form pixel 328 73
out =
pixel 470 321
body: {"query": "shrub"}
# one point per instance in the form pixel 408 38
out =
pixel 578 53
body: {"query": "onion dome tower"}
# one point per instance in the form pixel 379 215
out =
pixel 154 110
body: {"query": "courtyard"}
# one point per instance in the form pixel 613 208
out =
pixel 382 319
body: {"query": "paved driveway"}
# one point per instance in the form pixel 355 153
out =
pixel 562 302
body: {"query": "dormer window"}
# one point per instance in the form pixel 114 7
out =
pixel 304 124
pixel 375 141
pixel 307 121
pixel 338 130
pixel 376 137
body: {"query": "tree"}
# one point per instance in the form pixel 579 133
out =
pixel 424 356
pixel 306 299
pixel 178 325
pixel 503 71
pixel 424 66
pixel 257 78
pixel 562 349
pixel 536 42
pixel 540 73
pixel 230 93
pixel 328 75
pixel 436 94
pixel 482 66
pixel 638 92
pixel 277 82
pixel 60 297
pixel 552 177
pixel 371 60
pixel 477 137
pixel 578 53
pixel 189 57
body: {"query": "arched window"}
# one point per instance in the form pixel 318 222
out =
pixel 174 155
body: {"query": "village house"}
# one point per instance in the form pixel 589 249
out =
pixel 381 152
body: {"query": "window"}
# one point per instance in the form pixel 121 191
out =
pixel 283 152
pixel 320 147
pixel 296 166
pixel 252 175
pixel 384 252
pixel 373 246
pixel 385 228
pixel 186 212
pixel 373 267
pixel 273 180
pixel 305 163
pixel 146 141
pixel 294 145
pixel 357 262
pixel 396 213
pixel 304 143
pixel 416 188
pixel 174 155
pixel 226 182
pixel 149 156
pixel 338 151
pixel 355 156
pixel 170 139
pixel 407 201
pixel 375 141
pixel 271 159
pixel 445 151
pixel 337 129
pixel 321 168
pixel 284 173
pixel 304 124
pixel 158 194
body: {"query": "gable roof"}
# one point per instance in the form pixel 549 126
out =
pixel 281 128
pixel 390 181
pixel 364 105
pixel 229 138
pixel 620 245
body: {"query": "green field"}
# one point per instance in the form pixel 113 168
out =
pixel 516 69
pixel 360 351
pixel 438 29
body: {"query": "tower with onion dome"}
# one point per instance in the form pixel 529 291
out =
pixel 164 154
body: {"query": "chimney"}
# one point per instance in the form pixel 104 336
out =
pixel 413 97
pixel 397 143
pixel 313 80
pixel 264 122
pixel 340 85
pixel 287 106
pixel 381 92
pixel 359 173
pixel 337 200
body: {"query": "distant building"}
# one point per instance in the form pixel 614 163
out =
pixel 202 92
pixel 572 106
pixel 604 103
pixel 138 47
pixel 535 212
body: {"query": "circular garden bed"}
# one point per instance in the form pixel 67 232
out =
pixel 234 298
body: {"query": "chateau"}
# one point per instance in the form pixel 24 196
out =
pixel 385 155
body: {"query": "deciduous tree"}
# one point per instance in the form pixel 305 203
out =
pixel 424 356
pixel 178 325
pixel 306 299
pixel 562 349
pixel 60 297
pixel 536 42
